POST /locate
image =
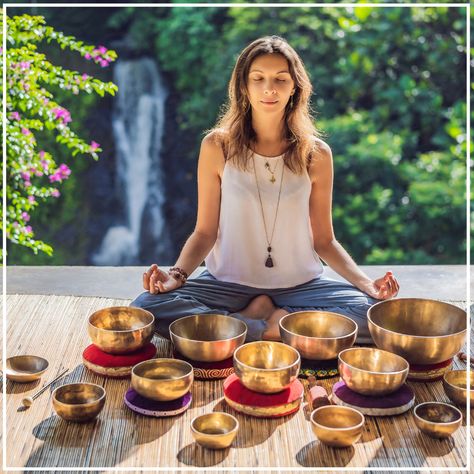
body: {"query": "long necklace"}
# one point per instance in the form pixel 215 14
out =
pixel 269 260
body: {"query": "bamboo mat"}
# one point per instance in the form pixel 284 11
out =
pixel 55 327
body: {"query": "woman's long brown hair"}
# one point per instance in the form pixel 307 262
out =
pixel 234 130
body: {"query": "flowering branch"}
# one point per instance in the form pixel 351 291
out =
pixel 32 173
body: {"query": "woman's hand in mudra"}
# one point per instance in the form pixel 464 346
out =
pixel 384 288
pixel 156 281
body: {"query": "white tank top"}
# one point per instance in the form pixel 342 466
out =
pixel 240 251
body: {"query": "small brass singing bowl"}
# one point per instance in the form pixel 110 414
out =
pixel 78 402
pixel 436 419
pixel 266 366
pixel 422 331
pixel 162 379
pixel 207 337
pixel 214 430
pixel 456 386
pixel 318 335
pixel 25 368
pixel 337 426
pixel 372 372
pixel 121 329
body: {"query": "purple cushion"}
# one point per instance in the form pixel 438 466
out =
pixel 399 398
pixel 145 406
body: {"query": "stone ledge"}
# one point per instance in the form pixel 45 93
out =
pixel 443 282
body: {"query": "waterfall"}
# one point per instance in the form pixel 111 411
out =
pixel 138 123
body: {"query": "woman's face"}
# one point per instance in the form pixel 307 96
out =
pixel 269 83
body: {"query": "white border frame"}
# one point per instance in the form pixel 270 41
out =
pixel 245 5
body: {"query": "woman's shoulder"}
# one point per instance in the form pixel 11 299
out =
pixel 320 162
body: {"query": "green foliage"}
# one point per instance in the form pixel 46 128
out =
pixel 389 95
pixel 34 113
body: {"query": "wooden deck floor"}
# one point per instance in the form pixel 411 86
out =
pixel 55 327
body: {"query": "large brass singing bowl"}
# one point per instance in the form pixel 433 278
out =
pixel 318 335
pixel 207 337
pixel 455 385
pixel 162 379
pixel 421 331
pixel 337 426
pixel 121 329
pixel 214 430
pixel 25 368
pixel 436 419
pixel 266 366
pixel 372 372
pixel 78 402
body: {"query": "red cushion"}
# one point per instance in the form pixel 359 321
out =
pixel 237 392
pixel 94 355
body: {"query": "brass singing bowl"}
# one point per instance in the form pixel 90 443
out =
pixel 372 372
pixel 207 337
pixel 456 386
pixel 337 426
pixel 121 329
pixel 214 430
pixel 266 366
pixel 162 379
pixel 318 335
pixel 25 368
pixel 436 419
pixel 78 402
pixel 421 331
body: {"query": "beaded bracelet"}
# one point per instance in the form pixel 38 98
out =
pixel 178 273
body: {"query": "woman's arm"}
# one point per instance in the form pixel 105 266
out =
pixel 201 241
pixel 325 243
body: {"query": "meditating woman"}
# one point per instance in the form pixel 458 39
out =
pixel 265 182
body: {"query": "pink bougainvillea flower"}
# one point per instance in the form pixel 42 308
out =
pixel 87 56
pixel 41 155
pixel 25 131
pixel 63 114
pixel 102 49
pixel 15 115
pixel 94 145
pixel 25 175
pixel 64 170
pixel 27 184
pixel 28 229
pixel 54 177
pixel 55 193
pixel 24 65
pixel 85 76
pixel 25 216
pixel 44 164
pixel 103 63
pixel 31 199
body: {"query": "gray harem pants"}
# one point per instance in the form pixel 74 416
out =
pixel 206 295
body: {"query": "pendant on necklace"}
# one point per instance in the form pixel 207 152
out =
pixel 272 179
pixel 269 261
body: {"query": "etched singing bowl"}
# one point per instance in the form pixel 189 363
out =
pixel 214 430
pixel 318 335
pixel 121 329
pixel 422 331
pixel 337 426
pixel 162 379
pixel 78 402
pixel 436 419
pixel 372 372
pixel 455 385
pixel 207 337
pixel 25 368
pixel 266 366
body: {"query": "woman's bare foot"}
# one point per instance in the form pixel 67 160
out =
pixel 272 333
pixel 261 307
